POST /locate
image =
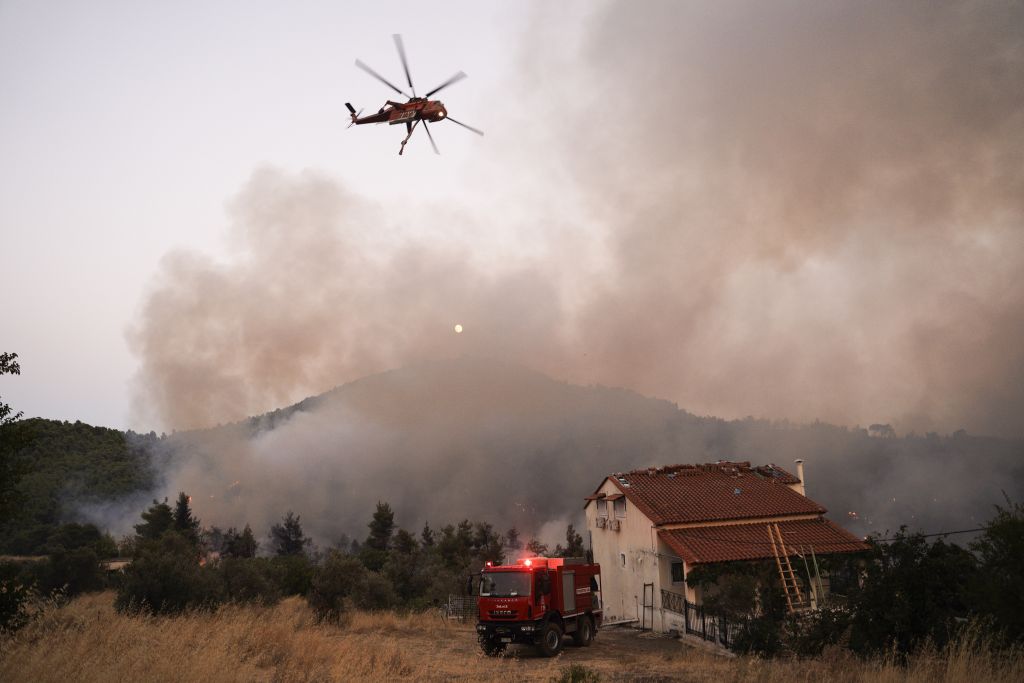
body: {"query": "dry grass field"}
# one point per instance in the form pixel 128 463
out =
pixel 88 641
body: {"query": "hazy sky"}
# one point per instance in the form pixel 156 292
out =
pixel 803 210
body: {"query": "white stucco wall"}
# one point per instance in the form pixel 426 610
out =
pixel 647 560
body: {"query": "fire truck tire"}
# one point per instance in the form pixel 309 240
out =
pixel 492 648
pixel 551 639
pixel 584 635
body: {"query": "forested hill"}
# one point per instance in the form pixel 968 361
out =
pixel 486 440
pixel 61 466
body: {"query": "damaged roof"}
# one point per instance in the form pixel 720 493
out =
pixel 712 492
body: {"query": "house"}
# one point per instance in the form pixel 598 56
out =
pixel 649 528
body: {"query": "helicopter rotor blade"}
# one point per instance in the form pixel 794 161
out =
pixel 454 79
pixel 432 143
pixel 405 62
pixel 475 130
pixel 380 78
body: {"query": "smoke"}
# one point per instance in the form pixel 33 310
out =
pixel 789 210
pixel 812 210
pixel 310 300
pixel 807 210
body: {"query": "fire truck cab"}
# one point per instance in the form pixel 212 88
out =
pixel 538 601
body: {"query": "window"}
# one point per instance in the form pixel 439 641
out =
pixel 620 508
pixel 622 559
pixel 677 572
pixel 505 584
pixel 602 508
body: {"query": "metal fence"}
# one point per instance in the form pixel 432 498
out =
pixel 714 628
pixel 460 608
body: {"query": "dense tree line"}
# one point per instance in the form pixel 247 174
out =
pixel 177 564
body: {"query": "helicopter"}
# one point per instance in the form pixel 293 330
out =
pixel 412 112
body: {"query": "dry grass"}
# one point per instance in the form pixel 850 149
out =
pixel 88 641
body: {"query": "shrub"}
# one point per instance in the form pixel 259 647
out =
pixel 248 580
pixel 333 584
pixel 808 634
pixel 576 673
pixel 165 577
pixel 15 599
pixel 293 574
pixel 75 571
pixel 373 591
pixel 913 592
pixel 760 637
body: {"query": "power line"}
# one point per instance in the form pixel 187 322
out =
pixel 937 533
pixel 767 544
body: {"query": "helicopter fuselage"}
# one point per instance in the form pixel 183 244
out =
pixel 416 109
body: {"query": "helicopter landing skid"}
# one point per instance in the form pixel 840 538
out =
pixel 411 128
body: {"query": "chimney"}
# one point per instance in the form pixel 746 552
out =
pixel 799 488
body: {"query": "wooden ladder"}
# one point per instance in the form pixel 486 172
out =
pixel 790 584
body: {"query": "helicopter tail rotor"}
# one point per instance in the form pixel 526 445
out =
pixel 355 114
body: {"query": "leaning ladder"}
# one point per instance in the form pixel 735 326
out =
pixel 790 585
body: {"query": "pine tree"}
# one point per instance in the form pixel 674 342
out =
pixel 487 545
pixel 537 548
pixel 512 539
pixel 574 543
pixel 404 543
pixel 157 520
pixel 374 552
pixel 184 523
pixel 381 527
pixel 287 538
pixel 242 544
pixel 427 536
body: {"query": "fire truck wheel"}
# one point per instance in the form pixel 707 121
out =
pixel 584 635
pixel 551 639
pixel 492 648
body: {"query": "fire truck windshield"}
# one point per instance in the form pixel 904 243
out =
pixel 505 584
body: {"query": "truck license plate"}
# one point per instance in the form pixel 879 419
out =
pixel 506 640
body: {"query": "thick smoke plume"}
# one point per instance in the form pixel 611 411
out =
pixel 812 210
pixel 313 300
pixel 808 210
pixel 788 210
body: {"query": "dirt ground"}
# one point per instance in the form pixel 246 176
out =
pixel 619 653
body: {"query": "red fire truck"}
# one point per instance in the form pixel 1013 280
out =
pixel 538 600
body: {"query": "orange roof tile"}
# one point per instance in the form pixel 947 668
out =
pixel 732 542
pixel 713 492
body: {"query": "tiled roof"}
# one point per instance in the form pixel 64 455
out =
pixel 731 542
pixel 713 492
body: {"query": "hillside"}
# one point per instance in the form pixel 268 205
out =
pixel 64 466
pixel 475 438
